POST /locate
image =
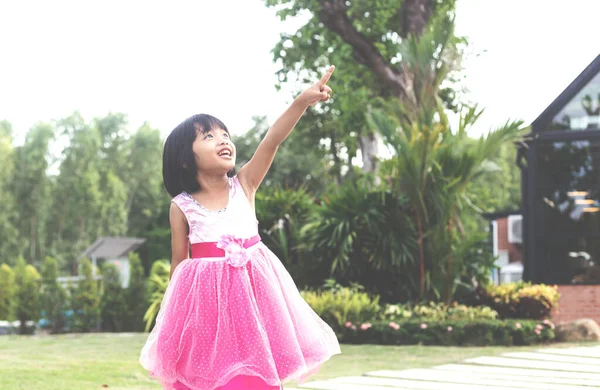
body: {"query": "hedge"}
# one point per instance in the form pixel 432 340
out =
pixel 455 333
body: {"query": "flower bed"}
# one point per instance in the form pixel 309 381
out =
pixel 462 333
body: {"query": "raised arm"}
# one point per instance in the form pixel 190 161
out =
pixel 253 173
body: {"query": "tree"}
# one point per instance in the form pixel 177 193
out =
pixel 136 294
pixel 30 187
pixel 147 203
pixel 298 163
pixel 112 303
pixel 366 40
pixel 435 164
pixel 54 297
pixel 77 199
pixel 27 294
pixel 85 299
pixel 7 290
pixel 9 244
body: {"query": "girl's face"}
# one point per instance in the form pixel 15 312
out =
pixel 214 150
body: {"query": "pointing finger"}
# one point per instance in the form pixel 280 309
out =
pixel 327 76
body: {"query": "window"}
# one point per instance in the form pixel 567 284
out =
pixel 583 111
pixel 567 211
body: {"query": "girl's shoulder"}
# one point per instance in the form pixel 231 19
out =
pixel 183 200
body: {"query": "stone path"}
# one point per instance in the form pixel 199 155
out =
pixel 575 368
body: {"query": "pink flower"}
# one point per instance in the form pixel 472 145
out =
pixel 539 327
pixel 449 329
pixel 550 324
pixel 235 253
pixel 348 324
pixel 518 325
pixel 423 326
pixel 537 331
pixel 353 327
pixel 365 326
pixel 394 326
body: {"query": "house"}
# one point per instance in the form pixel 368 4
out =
pixel 560 166
pixel 112 249
pixel 506 233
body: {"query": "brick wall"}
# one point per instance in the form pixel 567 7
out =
pixel 514 252
pixel 578 302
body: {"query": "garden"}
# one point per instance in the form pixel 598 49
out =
pixel 389 248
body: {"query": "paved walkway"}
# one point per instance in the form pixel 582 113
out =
pixel 546 369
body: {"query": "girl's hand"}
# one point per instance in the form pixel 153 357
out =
pixel 319 92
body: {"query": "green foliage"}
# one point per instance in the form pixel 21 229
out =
pixel 478 332
pixel 158 281
pixel 7 290
pixel 435 165
pixel 365 233
pixel 85 300
pixel 31 187
pixel 54 297
pixel 10 243
pixel 113 307
pixel 135 294
pixel 27 294
pixel 341 125
pixel 105 182
pixel 438 312
pixel 342 304
pixel 521 299
pixel 298 164
pixel 282 214
pixel 504 195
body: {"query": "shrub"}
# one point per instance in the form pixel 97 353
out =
pixel 27 294
pixel 339 305
pixel 54 297
pixel 438 312
pixel 135 295
pixel 282 214
pixel 7 290
pixel 364 233
pixel 85 300
pixel 113 309
pixel 157 286
pixel 522 300
pixel 459 333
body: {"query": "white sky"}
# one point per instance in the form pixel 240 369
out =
pixel 164 61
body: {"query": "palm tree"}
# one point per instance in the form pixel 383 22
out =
pixel 435 164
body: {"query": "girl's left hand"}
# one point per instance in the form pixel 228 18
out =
pixel 319 92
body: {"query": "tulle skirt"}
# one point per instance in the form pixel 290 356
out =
pixel 220 323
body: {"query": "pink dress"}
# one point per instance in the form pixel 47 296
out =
pixel 236 321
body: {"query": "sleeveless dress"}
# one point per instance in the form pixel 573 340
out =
pixel 235 321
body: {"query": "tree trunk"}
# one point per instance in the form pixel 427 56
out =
pixel 415 15
pixel 448 292
pixel 421 255
pixel 369 147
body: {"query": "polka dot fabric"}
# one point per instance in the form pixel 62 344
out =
pixel 222 327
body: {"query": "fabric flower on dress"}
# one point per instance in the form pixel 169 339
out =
pixel 235 253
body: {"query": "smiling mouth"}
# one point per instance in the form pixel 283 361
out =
pixel 225 154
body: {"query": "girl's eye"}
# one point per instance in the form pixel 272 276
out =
pixel 208 135
pixel 226 135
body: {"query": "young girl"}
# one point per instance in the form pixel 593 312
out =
pixel 232 317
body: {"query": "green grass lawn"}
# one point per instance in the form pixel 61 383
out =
pixel 81 362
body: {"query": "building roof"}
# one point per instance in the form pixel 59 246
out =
pixel 112 247
pixel 500 214
pixel 566 96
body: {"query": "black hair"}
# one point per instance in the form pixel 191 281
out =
pixel 179 163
